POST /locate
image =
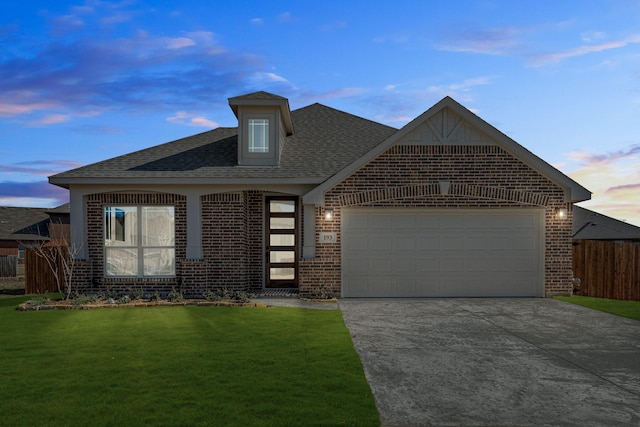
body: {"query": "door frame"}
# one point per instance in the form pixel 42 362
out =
pixel 295 232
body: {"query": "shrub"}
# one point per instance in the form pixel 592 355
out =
pixel 175 296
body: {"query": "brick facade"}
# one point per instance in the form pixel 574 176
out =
pixel 479 176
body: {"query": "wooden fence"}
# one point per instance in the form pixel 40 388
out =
pixel 9 266
pixel 38 277
pixel 607 269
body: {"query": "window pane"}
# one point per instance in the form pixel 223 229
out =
pixel 121 262
pixel 282 256
pixel 120 226
pixel 157 226
pixel 282 223
pixel 159 262
pixel 258 135
pixel 282 206
pixel 282 240
pixel 282 273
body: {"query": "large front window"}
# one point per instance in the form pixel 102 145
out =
pixel 258 135
pixel 139 241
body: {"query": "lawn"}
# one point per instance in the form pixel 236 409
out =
pixel 180 366
pixel 630 309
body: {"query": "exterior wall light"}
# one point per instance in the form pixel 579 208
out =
pixel 328 214
pixel 561 213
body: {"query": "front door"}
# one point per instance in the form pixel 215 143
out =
pixel 282 242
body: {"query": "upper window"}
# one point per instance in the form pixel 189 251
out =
pixel 258 135
pixel 139 241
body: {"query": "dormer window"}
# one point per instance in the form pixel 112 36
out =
pixel 258 135
pixel 264 121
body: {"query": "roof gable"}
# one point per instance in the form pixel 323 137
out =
pixel 450 123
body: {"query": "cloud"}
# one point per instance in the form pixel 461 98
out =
pixel 179 42
pixel 39 167
pixel 285 17
pixel 487 41
pixel 269 77
pixel 117 18
pixel 555 57
pixel 625 187
pixel 587 158
pixel 63 80
pixel 17 108
pixel 614 179
pixel 256 21
pixel 39 193
pixel 66 24
pixel 184 118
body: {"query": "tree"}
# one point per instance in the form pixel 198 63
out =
pixel 60 256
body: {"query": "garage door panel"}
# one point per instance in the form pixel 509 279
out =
pixel 404 243
pixel 381 222
pixel 356 243
pixel 388 252
pixel 427 243
pixel 404 266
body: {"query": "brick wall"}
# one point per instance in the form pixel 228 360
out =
pixel 89 274
pixel 480 176
pixel 224 239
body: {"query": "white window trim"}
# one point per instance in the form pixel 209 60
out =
pixel 265 129
pixel 139 243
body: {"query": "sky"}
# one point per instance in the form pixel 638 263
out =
pixel 87 80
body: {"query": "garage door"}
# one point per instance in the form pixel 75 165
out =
pixel 450 253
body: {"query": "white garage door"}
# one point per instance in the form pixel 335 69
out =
pixel 444 253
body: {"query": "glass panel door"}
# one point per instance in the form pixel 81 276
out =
pixel 281 242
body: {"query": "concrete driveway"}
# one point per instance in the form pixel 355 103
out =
pixel 490 362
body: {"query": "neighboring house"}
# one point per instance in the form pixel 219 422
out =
pixel 605 251
pixel 327 203
pixel 590 225
pixel 21 227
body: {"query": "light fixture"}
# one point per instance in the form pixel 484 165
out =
pixel 561 213
pixel 328 214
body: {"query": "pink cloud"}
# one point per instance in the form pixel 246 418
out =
pixel 185 118
pixel 7 109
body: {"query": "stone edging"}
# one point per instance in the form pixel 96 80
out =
pixel 45 307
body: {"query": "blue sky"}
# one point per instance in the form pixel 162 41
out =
pixel 83 81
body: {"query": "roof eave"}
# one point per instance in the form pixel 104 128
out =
pixel 67 182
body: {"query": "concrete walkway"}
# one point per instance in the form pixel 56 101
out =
pixel 497 362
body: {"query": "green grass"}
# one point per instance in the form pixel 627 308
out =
pixel 630 309
pixel 180 366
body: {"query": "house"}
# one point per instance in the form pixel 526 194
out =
pixel 21 227
pixel 322 202
pixel 590 225
pixel 605 254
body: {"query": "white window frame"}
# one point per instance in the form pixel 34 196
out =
pixel 109 230
pixel 259 127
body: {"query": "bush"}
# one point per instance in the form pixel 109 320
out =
pixel 225 294
pixel 175 296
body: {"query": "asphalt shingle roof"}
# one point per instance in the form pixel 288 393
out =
pixel 23 223
pixel 325 141
pixel 590 225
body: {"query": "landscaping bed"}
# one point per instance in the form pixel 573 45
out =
pixel 33 305
pixel 222 297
